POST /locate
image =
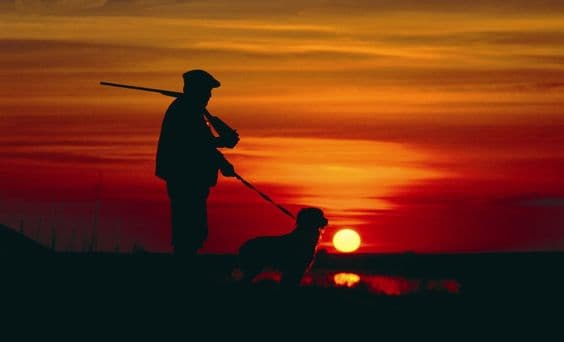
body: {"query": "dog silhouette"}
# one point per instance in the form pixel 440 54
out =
pixel 291 254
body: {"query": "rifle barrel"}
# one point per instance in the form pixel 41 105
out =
pixel 160 91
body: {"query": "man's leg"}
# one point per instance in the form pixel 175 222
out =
pixel 200 218
pixel 189 219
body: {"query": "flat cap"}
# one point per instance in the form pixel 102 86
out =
pixel 200 78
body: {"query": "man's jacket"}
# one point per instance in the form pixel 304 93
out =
pixel 186 150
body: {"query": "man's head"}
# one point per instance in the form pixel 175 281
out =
pixel 198 85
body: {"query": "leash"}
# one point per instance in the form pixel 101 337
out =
pixel 263 195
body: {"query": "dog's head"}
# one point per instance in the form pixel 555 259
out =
pixel 311 218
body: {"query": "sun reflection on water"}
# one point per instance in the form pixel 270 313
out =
pixel 390 285
pixel 346 279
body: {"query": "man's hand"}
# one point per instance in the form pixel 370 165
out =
pixel 228 140
pixel 227 169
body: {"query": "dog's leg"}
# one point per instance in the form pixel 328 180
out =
pixel 294 271
pixel 291 278
pixel 250 272
pixel 249 267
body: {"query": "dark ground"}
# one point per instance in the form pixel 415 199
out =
pixel 494 287
pixel 506 292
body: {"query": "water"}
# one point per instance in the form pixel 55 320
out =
pixel 378 284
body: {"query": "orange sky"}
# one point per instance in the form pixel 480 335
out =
pixel 427 126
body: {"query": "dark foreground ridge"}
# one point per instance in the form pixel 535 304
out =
pixel 503 286
pixel 532 279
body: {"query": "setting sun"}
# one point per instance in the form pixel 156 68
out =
pixel 346 240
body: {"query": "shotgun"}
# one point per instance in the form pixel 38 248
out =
pixel 230 135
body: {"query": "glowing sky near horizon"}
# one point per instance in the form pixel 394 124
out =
pixel 426 126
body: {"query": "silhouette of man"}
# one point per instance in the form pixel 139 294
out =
pixel 188 160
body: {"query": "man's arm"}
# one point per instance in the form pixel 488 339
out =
pixel 226 141
pixel 228 137
pixel 225 166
